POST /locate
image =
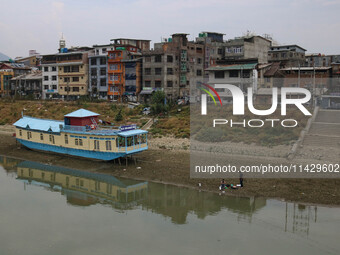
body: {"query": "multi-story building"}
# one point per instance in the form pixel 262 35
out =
pixel 287 55
pixel 241 73
pixel 319 60
pixel 7 72
pixel 33 60
pixel 73 72
pixel 50 89
pixel 98 78
pixel 28 85
pixel 248 47
pixel 214 47
pixel 124 65
pixel 173 66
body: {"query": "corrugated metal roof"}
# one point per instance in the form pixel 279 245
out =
pixel 132 132
pixel 39 124
pixel 82 113
pixel 232 67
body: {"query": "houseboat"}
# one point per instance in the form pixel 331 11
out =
pixel 80 135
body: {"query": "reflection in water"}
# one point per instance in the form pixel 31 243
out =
pixel 187 215
pixel 83 188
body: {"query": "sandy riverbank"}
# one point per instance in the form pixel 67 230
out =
pixel 167 161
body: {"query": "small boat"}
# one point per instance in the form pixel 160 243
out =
pixel 80 135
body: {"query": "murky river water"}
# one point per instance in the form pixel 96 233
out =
pixel 52 210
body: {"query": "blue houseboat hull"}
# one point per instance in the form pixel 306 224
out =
pixel 107 156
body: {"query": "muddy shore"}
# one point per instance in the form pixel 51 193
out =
pixel 160 164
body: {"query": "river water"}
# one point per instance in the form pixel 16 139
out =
pixel 52 210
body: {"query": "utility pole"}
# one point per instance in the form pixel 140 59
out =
pixel 314 85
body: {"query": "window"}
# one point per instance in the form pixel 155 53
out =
pixel 219 75
pixel 67 69
pixel 96 144
pixel 54 78
pixel 147 59
pixel 103 60
pixel 41 137
pixel 80 142
pixel 103 82
pixel 52 139
pixel 246 74
pixel 233 73
pixel 20 132
pixel 45 86
pixel 199 72
pixel 75 79
pixel 75 89
pixel 102 71
pixel 45 78
pixel 108 145
pixel 158 71
pixel 54 86
pixel 199 60
pixel 54 68
pixel 76 141
pixel 66 79
pixel 29 135
pixel 158 84
pixel 147 84
pixel 199 50
pixel 219 51
pixel 93 61
pixel 169 84
pixel 46 69
pixel 147 71
pixel 113 67
pixel 93 71
pixel 169 59
pixel 158 58
pixel 103 50
pixel 129 141
pixel 66 139
pixel 169 71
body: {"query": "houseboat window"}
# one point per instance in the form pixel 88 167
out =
pixel 66 139
pixel 143 138
pixel 28 135
pixel 108 145
pixel 136 139
pixel 97 185
pixel 42 175
pixel 121 141
pixel 80 142
pixel 41 137
pixel 130 141
pixel 50 138
pixel 77 182
pixel 20 132
pixel 53 139
pixel 96 144
pixel 109 188
pixel 81 183
pixel 76 141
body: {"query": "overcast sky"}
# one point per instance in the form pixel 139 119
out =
pixel 39 24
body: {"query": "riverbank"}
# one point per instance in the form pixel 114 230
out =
pixel 161 164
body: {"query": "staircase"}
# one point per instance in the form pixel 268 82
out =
pixel 325 130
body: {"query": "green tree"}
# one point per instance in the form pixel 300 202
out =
pixel 158 103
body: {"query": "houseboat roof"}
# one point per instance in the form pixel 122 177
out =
pixel 39 124
pixel 81 113
pixel 132 132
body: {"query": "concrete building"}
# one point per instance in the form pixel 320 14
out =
pixel 7 72
pixel 287 55
pixel 172 66
pixel 50 88
pixel 28 85
pixel 248 47
pixel 242 74
pixel 319 60
pixel 214 47
pixel 73 75
pixel 98 75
